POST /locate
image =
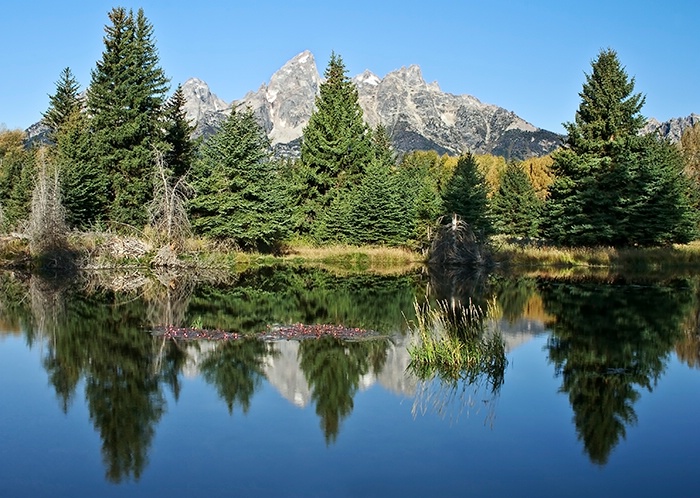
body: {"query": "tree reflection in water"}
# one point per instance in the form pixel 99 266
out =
pixel 236 369
pixel 607 341
pixel 99 334
pixel 333 369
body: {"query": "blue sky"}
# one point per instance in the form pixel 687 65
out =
pixel 529 57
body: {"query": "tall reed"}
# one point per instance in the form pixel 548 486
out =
pixel 452 343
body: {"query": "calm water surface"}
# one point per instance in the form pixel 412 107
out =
pixel 600 394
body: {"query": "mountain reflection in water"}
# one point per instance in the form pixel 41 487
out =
pixel 608 341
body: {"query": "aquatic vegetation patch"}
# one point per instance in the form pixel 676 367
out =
pixel 298 331
pixel 452 344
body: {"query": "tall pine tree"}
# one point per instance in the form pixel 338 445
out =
pixel 178 131
pixel 515 207
pixel 613 186
pixel 63 103
pixel 84 188
pixel 125 102
pixel 378 209
pixel 335 147
pixel 239 194
pixel 466 195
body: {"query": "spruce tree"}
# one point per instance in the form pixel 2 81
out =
pixel 178 131
pixel 422 174
pixel 125 101
pixel 609 109
pixel 466 195
pixel 381 212
pixel 613 186
pixel 63 103
pixel 239 193
pixel 84 188
pixel 336 145
pixel 378 210
pixel 515 206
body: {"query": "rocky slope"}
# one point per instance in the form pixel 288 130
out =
pixel 418 115
pixel 673 128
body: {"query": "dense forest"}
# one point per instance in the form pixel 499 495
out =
pixel 120 157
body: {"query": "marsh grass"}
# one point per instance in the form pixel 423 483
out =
pixel 14 251
pixel 348 259
pixel 452 344
pixel 642 259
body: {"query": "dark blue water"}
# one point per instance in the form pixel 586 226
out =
pixel 271 425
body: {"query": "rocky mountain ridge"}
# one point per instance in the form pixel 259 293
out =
pixel 417 115
pixel 673 128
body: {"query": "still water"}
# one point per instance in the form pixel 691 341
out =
pixel 600 396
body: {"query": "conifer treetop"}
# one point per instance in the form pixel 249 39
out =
pixel 609 109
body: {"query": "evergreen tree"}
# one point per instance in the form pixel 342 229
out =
pixel 609 109
pixel 382 147
pixel 377 210
pixel 178 130
pixel 655 200
pixel 466 195
pixel 613 186
pixel 515 206
pixel 125 101
pixel 84 188
pixel 63 103
pixel 239 193
pixel 335 147
pixel 422 173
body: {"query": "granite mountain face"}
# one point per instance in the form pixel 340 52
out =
pixel 673 128
pixel 416 114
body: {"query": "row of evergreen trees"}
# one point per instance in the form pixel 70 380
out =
pixel 123 146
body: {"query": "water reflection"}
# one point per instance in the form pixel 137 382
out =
pixel 97 331
pixel 333 369
pixel 608 341
pixel 236 369
pixel 101 339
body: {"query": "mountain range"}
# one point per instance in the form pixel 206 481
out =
pixel 417 115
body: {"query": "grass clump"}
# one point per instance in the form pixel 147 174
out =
pixel 452 344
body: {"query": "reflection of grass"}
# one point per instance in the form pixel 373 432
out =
pixel 452 344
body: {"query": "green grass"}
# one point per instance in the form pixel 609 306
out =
pixel 451 343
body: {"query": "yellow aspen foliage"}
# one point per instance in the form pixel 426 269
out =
pixel 11 144
pixel 539 169
pixel 447 165
pixel 492 167
pixel 690 148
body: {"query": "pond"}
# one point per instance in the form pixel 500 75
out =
pixel 599 397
